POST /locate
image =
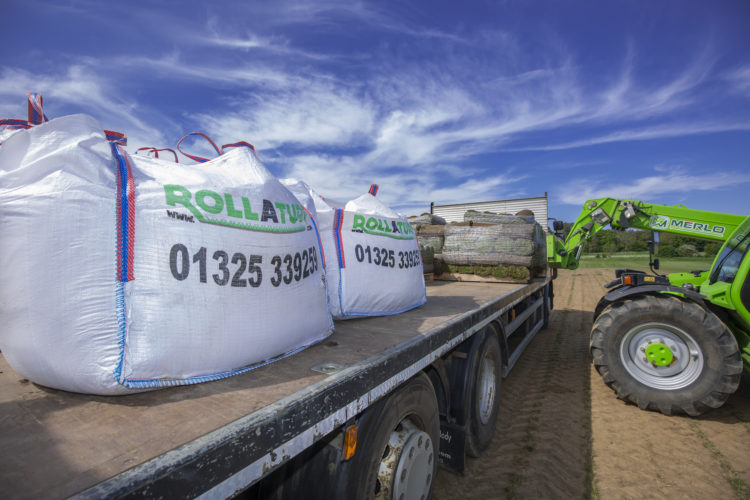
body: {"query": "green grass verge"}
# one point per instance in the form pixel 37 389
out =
pixel 640 261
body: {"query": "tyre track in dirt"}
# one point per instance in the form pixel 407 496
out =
pixel 644 454
pixel 541 448
pixel 558 466
pixel 562 433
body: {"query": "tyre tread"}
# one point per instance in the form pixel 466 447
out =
pixel 628 390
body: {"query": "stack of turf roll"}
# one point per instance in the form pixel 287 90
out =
pixel 501 248
pixel 493 218
pixel 430 236
pixel 426 219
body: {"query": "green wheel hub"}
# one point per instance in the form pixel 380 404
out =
pixel 659 354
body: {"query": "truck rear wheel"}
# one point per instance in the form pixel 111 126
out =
pixel 547 304
pixel 663 353
pixel 486 372
pixel 398 459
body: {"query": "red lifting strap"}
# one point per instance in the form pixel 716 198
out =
pixel 240 144
pixel 154 150
pixel 36 108
pixel 195 157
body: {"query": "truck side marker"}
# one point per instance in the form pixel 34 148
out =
pixel 350 442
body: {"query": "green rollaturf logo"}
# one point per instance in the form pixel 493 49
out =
pixel 382 227
pixel 226 209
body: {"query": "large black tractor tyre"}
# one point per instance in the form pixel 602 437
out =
pixel 666 354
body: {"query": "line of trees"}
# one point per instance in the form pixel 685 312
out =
pixel 609 241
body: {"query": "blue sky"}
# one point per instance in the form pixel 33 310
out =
pixel 434 101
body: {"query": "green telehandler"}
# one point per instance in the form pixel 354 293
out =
pixel 673 343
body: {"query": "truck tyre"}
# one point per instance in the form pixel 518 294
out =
pixel 484 403
pixel 667 354
pixel 547 305
pixel 399 453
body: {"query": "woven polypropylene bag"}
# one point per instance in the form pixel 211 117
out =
pixel 126 273
pixel 373 263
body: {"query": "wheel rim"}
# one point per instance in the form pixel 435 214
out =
pixel 406 468
pixel 661 356
pixel 487 388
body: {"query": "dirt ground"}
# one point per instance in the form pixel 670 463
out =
pixel 562 433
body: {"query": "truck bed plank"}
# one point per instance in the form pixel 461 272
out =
pixel 55 444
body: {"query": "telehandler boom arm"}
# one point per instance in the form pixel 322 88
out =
pixel 622 214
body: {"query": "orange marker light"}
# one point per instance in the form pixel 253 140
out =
pixel 350 441
pixel 627 280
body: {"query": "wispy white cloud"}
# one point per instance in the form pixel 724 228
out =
pixel 416 117
pixel 419 114
pixel 411 122
pixel 667 181
pixel 317 114
pixel 248 43
pixel 78 89
pixel 378 17
pixel 650 100
pixel 407 190
pixel 258 45
pixel 645 134
pixel 571 164
pixel 175 66
pixel 421 134
pixel 739 79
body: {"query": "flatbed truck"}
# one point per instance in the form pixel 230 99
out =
pixel 366 413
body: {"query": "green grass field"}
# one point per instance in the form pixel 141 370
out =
pixel 639 260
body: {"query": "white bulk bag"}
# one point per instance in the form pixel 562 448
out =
pixel 303 193
pixel 373 263
pixel 125 273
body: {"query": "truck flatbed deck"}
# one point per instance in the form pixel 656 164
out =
pixel 216 438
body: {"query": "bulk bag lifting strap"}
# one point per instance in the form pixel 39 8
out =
pixel 155 152
pixel 229 273
pixel 219 150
